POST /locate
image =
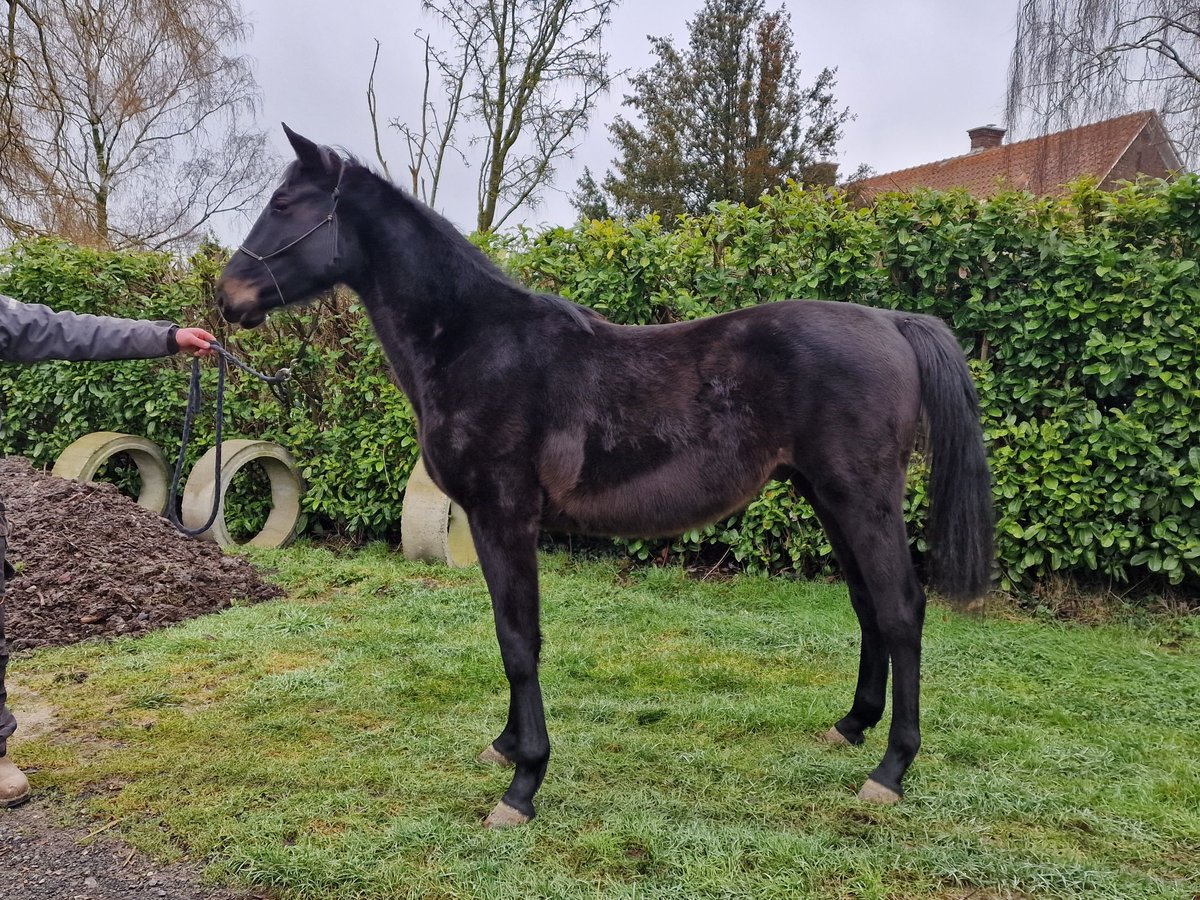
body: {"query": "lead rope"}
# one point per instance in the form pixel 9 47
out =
pixel 194 403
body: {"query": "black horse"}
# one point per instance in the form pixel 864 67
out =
pixel 537 413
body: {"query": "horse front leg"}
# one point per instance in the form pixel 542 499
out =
pixel 507 549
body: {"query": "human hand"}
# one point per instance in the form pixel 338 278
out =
pixel 194 341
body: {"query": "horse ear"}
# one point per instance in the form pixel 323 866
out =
pixel 307 152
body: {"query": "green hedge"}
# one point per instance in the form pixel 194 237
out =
pixel 1080 317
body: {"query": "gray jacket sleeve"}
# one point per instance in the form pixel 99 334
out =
pixel 33 333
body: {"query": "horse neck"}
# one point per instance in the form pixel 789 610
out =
pixel 430 294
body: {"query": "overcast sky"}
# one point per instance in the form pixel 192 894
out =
pixel 916 74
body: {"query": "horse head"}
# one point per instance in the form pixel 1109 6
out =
pixel 295 248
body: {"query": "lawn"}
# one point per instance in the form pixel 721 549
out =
pixel 324 745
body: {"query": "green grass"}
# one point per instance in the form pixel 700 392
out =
pixel 324 745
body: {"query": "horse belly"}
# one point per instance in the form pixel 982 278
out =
pixel 666 501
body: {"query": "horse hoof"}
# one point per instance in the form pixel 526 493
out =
pixel 874 792
pixel 505 816
pixel 833 736
pixel 493 757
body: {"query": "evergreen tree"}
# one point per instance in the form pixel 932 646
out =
pixel 589 198
pixel 727 119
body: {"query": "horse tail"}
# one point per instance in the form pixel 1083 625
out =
pixel 961 515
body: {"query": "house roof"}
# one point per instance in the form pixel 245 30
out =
pixel 1039 165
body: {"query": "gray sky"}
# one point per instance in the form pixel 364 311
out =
pixel 916 73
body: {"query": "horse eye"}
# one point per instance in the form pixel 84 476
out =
pixel 279 204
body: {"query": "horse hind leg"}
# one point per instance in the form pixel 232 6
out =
pixel 871 525
pixel 492 755
pixel 870 689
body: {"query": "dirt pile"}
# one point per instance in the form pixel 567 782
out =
pixel 92 563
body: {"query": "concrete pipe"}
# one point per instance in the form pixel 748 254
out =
pixel 84 458
pixel 282 523
pixel 434 528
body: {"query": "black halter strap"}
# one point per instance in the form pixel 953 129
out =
pixel 330 219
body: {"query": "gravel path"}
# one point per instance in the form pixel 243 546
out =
pixel 42 860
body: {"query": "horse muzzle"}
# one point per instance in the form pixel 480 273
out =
pixel 239 303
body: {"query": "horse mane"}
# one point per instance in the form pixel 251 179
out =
pixel 466 255
pixel 583 316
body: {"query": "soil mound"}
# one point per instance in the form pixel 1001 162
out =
pixel 92 563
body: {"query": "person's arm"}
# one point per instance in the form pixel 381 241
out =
pixel 33 333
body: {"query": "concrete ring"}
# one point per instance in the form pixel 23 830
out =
pixel 434 528
pixel 84 458
pixel 287 488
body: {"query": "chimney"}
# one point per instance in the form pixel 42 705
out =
pixel 985 137
pixel 823 172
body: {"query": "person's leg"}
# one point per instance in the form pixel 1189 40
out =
pixel 14 786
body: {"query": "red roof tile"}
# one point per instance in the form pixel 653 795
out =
pixel 1039 165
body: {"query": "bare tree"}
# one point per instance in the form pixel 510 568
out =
pixel 373 110
pixel 429 145
pixel 121 121
pixel 1076 61
pixel 526 74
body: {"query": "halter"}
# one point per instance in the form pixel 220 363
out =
pixel 331 218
